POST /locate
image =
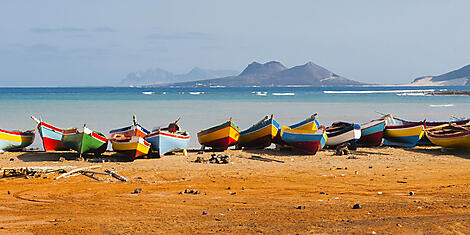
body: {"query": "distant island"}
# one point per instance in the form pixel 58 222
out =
pixel 273 73
pixel 459 77
pixel 160 76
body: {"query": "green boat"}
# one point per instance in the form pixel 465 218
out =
pixel 84 142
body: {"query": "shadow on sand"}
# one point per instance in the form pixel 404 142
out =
pixel 437 151
pixel 55 156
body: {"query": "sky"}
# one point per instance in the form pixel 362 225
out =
pixel 97 43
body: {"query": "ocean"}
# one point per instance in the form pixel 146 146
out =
pixel 106 108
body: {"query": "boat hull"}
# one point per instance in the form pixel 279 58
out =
pixel 457 140
pixel 349 134
pixel 14 140
pixel 219 137
pixel 260 136
pixel 304 140
pixel 51 137
pixel 166 142
pixel 372 133
pixel 132 148
pixel 310 124
pixel 85 142
pixel 406 135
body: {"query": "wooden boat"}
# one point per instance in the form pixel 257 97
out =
pixel 450 135
pixel 86 141
pixel 51 136
pixel 308 124
pixel 342 132
pixel 130 140
pixel 372 133
pixel 170 139
pixel 259 135
pixel 15 140
pixel 401 133
pixel 307 141
pixel 219 137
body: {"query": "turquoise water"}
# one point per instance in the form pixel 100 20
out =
pixel 106 108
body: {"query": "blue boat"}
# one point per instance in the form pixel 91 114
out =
pixel 170 139
pixel 307 141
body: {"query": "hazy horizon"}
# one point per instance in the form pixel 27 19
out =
pixel 56 43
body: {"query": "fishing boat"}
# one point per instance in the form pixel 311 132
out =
pixel 450 135
pixel 308 124
pixel 402 133
pixel 86 141
pixel 372 133
pixel 130 140
pixel 51 136
pixel 169 139
pixel 15 140
pixel 259 135
pixel 343 132
pixel 307 141
pixel 219 137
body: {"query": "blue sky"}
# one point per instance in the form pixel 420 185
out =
pixel 74 43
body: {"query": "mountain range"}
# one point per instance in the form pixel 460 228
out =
pixel 459 77
pixel 274 73
pixel 159 76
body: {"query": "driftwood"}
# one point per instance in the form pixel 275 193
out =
pixel 31 171
pixel 115 175
pixel 68 174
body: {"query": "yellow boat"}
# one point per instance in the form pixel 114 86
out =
pixel 402 133
pixel 219 137
pixel 450 136
pixel 259 135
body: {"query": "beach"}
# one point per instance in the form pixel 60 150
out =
pixel 399 191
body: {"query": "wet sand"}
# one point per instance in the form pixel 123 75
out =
pixel 248 195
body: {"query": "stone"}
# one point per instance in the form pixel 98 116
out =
pixel 12 159
pixel 352 157
pixel 357 206
pixel 137 190
pixel 412 193
pixel 228 188
pixel 61 159
pixel 204 213
pixel 300 207
pixel 234 193
pixel 9 192
pixel 322 192
pixel 217 219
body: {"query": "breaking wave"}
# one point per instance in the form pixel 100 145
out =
pixel 283 94
pixel 382 91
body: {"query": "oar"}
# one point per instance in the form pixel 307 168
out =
pixel 438 127
pixel 35 119
pixel 399 119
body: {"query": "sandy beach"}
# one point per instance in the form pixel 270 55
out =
pixel 272 192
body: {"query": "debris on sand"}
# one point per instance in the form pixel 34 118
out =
pixel 29 172
pixel 137 191
pixel 342 149
pixel 357 206
pixel 215 158
pixel 300 207
pixel 352 157
pixel 190 191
